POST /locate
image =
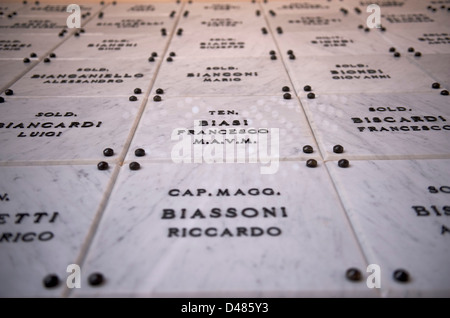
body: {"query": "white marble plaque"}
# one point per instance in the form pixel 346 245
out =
pixel 331 43
pixel 45 214
pixel 213 244
pixel 130 25
pixel 399 211
pixel 226 129
pixel 137 9
pixel 11 69
pixel 222 44
pixel 355 74
pixel 112 46
pixel 85 78
pixel 65 129
pixel 437 66
pixel 21 46
pixel 219 77
pixel 381 126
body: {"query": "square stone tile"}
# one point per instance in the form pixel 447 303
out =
pixel 273 239
pixel 11 70
pixel 164 9
pixel 20 46
pixel 437 66
pixel 226 129
pixel 64 129
pixel 381 126
pixel 85 78
pixel 399 211
pixel 356 74
pixel 130 25
pixel 332 43
pixel 222 76
pixel 46 213
pixel 222 44
pixel 111 46
pixel 23 25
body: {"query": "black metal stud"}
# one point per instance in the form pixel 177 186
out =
pixel 172 14
pixel 285 89
pixel 401 275
pixel 366 30
pixel 360 26
pixel 343 163
pixel 108 152
pixel 396 54
pixel 444 92
pixel 273 57
pixel 272 52
pixel 134 166
pixel 308 149
pixel 100 15
pixel 132 98
pixel 311 95
pixel 307 88
pixel 139 152
pixel 50 281
pixel 392 49
pixel 151 59
pixel 159 91
pixel 338 149
pixel 157 98
pixel 287 96
pixel 353 274
pixel 186 13
pixel 383 29
pixel 264 30
pixel 46 60
pixel 292 57
pixel 2 100
pixel 9 92
pixel 154 54
pixel 33 54
pixel 102 165
pixel 52 55
pixel 311 163
pixel 169 59
pixel 411 49
pixel 137 90
pixel 96 279
pixel 180 31
pixel 417 54
pixel 279 30
pixel 272 13
pixel 172 54
pixel 435 85
pixel 26 60
pixel 258 13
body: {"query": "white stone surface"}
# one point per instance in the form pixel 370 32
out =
pixel 309 257
pixel 34 245
pixel 141 9
pixel 382 199
pixel 19 46
pixel 64 129
pixel 139 24
pixel 11 70
pixel 265 127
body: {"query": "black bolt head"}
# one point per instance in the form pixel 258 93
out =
pixel 139 152
pixel 137 90
pixel 2 100
pixel 411 49
pixel 436 85
pixel 108 152
pixel 289 52
pixel 9 92
pixel 82 31
pixel 273 57
pixel 151 59
pixel 272 52
pixel 444 92
pixel 52 55
pixel 292 57
pixel 417 54
pixel 46 60
pixel 307 88
pixel 396 54
pixel 308 149
pixel 366 30
pixel 285 89
pixel 95 279
pixel 353 274
pixel 132 98
pixel 172 54
pixel 77 34
pixel 169 59
pixel 311 163
pixel 26 60
pixel 50 281
pixel 343 163
pixel 287 96
pixel 157 98
pixel 360 26
pixel 401 275
pixel 159 91
pixel 311 95
pixel 338 149
pixel 154 54
pixel 392 49
pixel 383 29
pixel 33 54
pixel 102 165
pixel 134 166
